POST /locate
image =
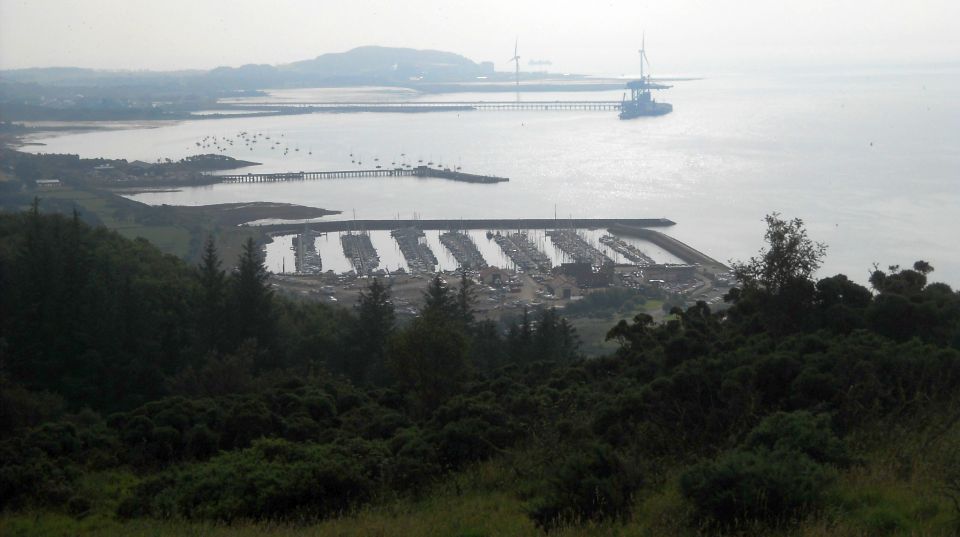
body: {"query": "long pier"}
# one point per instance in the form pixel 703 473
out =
pixel 334 226
pixel 419 171
pixel 436 106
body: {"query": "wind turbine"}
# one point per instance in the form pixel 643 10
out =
pixel 516 60
pixel 643 54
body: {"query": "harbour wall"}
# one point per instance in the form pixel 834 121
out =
pixel 668 243
pixel 464 224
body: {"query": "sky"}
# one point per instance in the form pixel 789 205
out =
pixel 683 37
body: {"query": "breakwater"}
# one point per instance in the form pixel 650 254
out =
pixel 334 226
pixel 668 243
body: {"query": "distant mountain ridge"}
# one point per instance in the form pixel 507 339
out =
pixel 361 65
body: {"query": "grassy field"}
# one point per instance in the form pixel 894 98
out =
pixel 593 330
pixel 177 231
pixel 124 217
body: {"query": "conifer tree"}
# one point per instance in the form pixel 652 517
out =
pixel 251 300
pixel 212 308
pixel 372 331
pixel 439 301
pixel 465 299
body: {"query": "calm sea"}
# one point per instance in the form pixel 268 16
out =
pixel 869 161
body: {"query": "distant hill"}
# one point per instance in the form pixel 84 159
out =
pixel 362 65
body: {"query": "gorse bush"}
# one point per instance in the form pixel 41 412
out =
pixel 780 472
pixel 594 484
pixel 271 479
pixel 801 432
pixel 776 487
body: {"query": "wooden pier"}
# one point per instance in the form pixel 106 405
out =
pixel 419 171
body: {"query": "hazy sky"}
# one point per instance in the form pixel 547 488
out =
pixel 683 36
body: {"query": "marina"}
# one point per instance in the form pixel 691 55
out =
pixel 577 248
pixel 411 249
pixel 361 253
pixel 307 260
pixel 628 251
pixel 416 251
pixel 523 252
pixel 463 249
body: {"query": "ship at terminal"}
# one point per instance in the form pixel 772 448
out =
pixel 641 102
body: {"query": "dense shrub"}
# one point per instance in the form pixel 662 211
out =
pixel 800 432
pixel 29 477
pixel 415 462
pixel 772 486
pixel 593 485
pixel 271 479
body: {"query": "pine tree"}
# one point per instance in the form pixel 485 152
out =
pixel 520 339
pixel 439 301
pixel 372 331
pixel 211 311
pixel 251 300
pixel 465 299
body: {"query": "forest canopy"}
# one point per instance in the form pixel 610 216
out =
pixel 801 405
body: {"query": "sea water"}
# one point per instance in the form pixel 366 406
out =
pixel 869 161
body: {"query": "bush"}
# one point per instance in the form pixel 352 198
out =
pixel 202 442
pixel 78 506
pixel 415 462
pixel 801 432
pixel 593 485
pixel 768 486
pixel 273 479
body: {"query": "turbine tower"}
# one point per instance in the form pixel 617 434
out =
pixel 643 54
pixel 516 60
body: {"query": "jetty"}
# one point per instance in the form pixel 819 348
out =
pixel 463 249
pixel 416 171
pixel 572 244
pixel 628 251
pixel 415 249
pixel 524 254
pixel 430 106
pixel 307 260
pixel 360 251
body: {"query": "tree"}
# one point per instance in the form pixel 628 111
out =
pixel 251 300
pixel 520 339
pixel 465 298
pixel 554 338
pixel 789 258
pixel 429 359
pixel 439 300
pixel 430 356
pixel 211 311
pixel 372 331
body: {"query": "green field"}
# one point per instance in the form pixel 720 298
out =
pixel 593 330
